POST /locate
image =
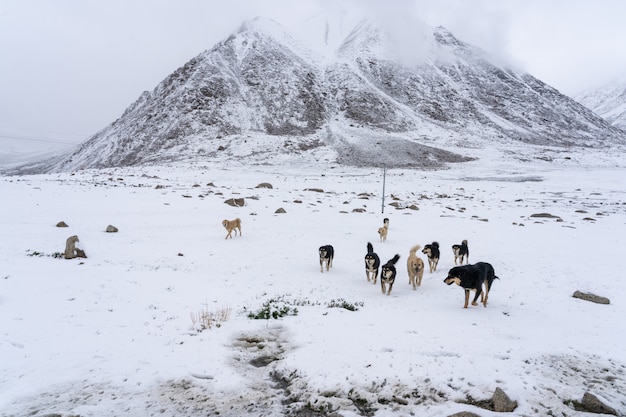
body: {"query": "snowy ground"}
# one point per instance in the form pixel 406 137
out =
pixel 113 334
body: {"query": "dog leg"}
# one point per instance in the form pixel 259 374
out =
pixel 479 292
pixel 486 296
pixel 389 288
pixel 467 293
pixel 321 265
pixel 382 286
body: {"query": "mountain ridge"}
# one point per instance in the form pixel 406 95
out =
pixel 261 81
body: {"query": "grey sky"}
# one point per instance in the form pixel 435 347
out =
pixel 68 68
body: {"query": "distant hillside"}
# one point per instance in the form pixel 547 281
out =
pixel 608 101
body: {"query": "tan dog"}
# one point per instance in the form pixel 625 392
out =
pixel 415 267
pixel 231 225
pixel 382 231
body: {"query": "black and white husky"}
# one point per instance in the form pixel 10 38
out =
pixel 388 274
pixel 327 253
pixel 372 263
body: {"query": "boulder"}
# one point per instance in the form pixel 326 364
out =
pixel 236 202
pixel 70 247
pixel 591 297
pixel 593 404
pixel 502 403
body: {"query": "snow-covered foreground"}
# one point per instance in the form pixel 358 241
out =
pixel 113 334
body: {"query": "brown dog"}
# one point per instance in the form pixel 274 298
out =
pixel 415 267
pixel 231 225
pixel 382 231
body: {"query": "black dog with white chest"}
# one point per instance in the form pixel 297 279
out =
pixel 372 263
pixel 388 274
pixel 472 278
pixel 432 251
pixel 461 252
pixel 327 253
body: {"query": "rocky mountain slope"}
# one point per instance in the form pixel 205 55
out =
pixel 608 101
pixel 260 94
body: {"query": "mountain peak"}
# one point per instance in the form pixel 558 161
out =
pixel 405 97
pixel 262 25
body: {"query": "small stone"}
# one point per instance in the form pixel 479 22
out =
pixel 111 229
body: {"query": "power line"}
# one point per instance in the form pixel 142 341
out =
pixel 37 140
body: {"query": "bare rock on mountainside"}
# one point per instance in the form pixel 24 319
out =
pixel 261 93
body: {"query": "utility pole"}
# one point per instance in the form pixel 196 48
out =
pixel 384 179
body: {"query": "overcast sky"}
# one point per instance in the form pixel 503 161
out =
pixel 68 68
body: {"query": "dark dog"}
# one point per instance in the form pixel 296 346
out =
pixel 432 251
pixel 472 278
pixel 372 263
pixel 461 252
pixel 327 253
pixel 388 274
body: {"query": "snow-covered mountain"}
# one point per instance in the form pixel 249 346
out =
pixel 261 92
pixel 608 101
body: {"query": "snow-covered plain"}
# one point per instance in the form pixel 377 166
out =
pixel 113 334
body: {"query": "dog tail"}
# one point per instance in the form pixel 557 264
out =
pixel 415 249
pixel 394 259
pixel 370 248
pixel 435 244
